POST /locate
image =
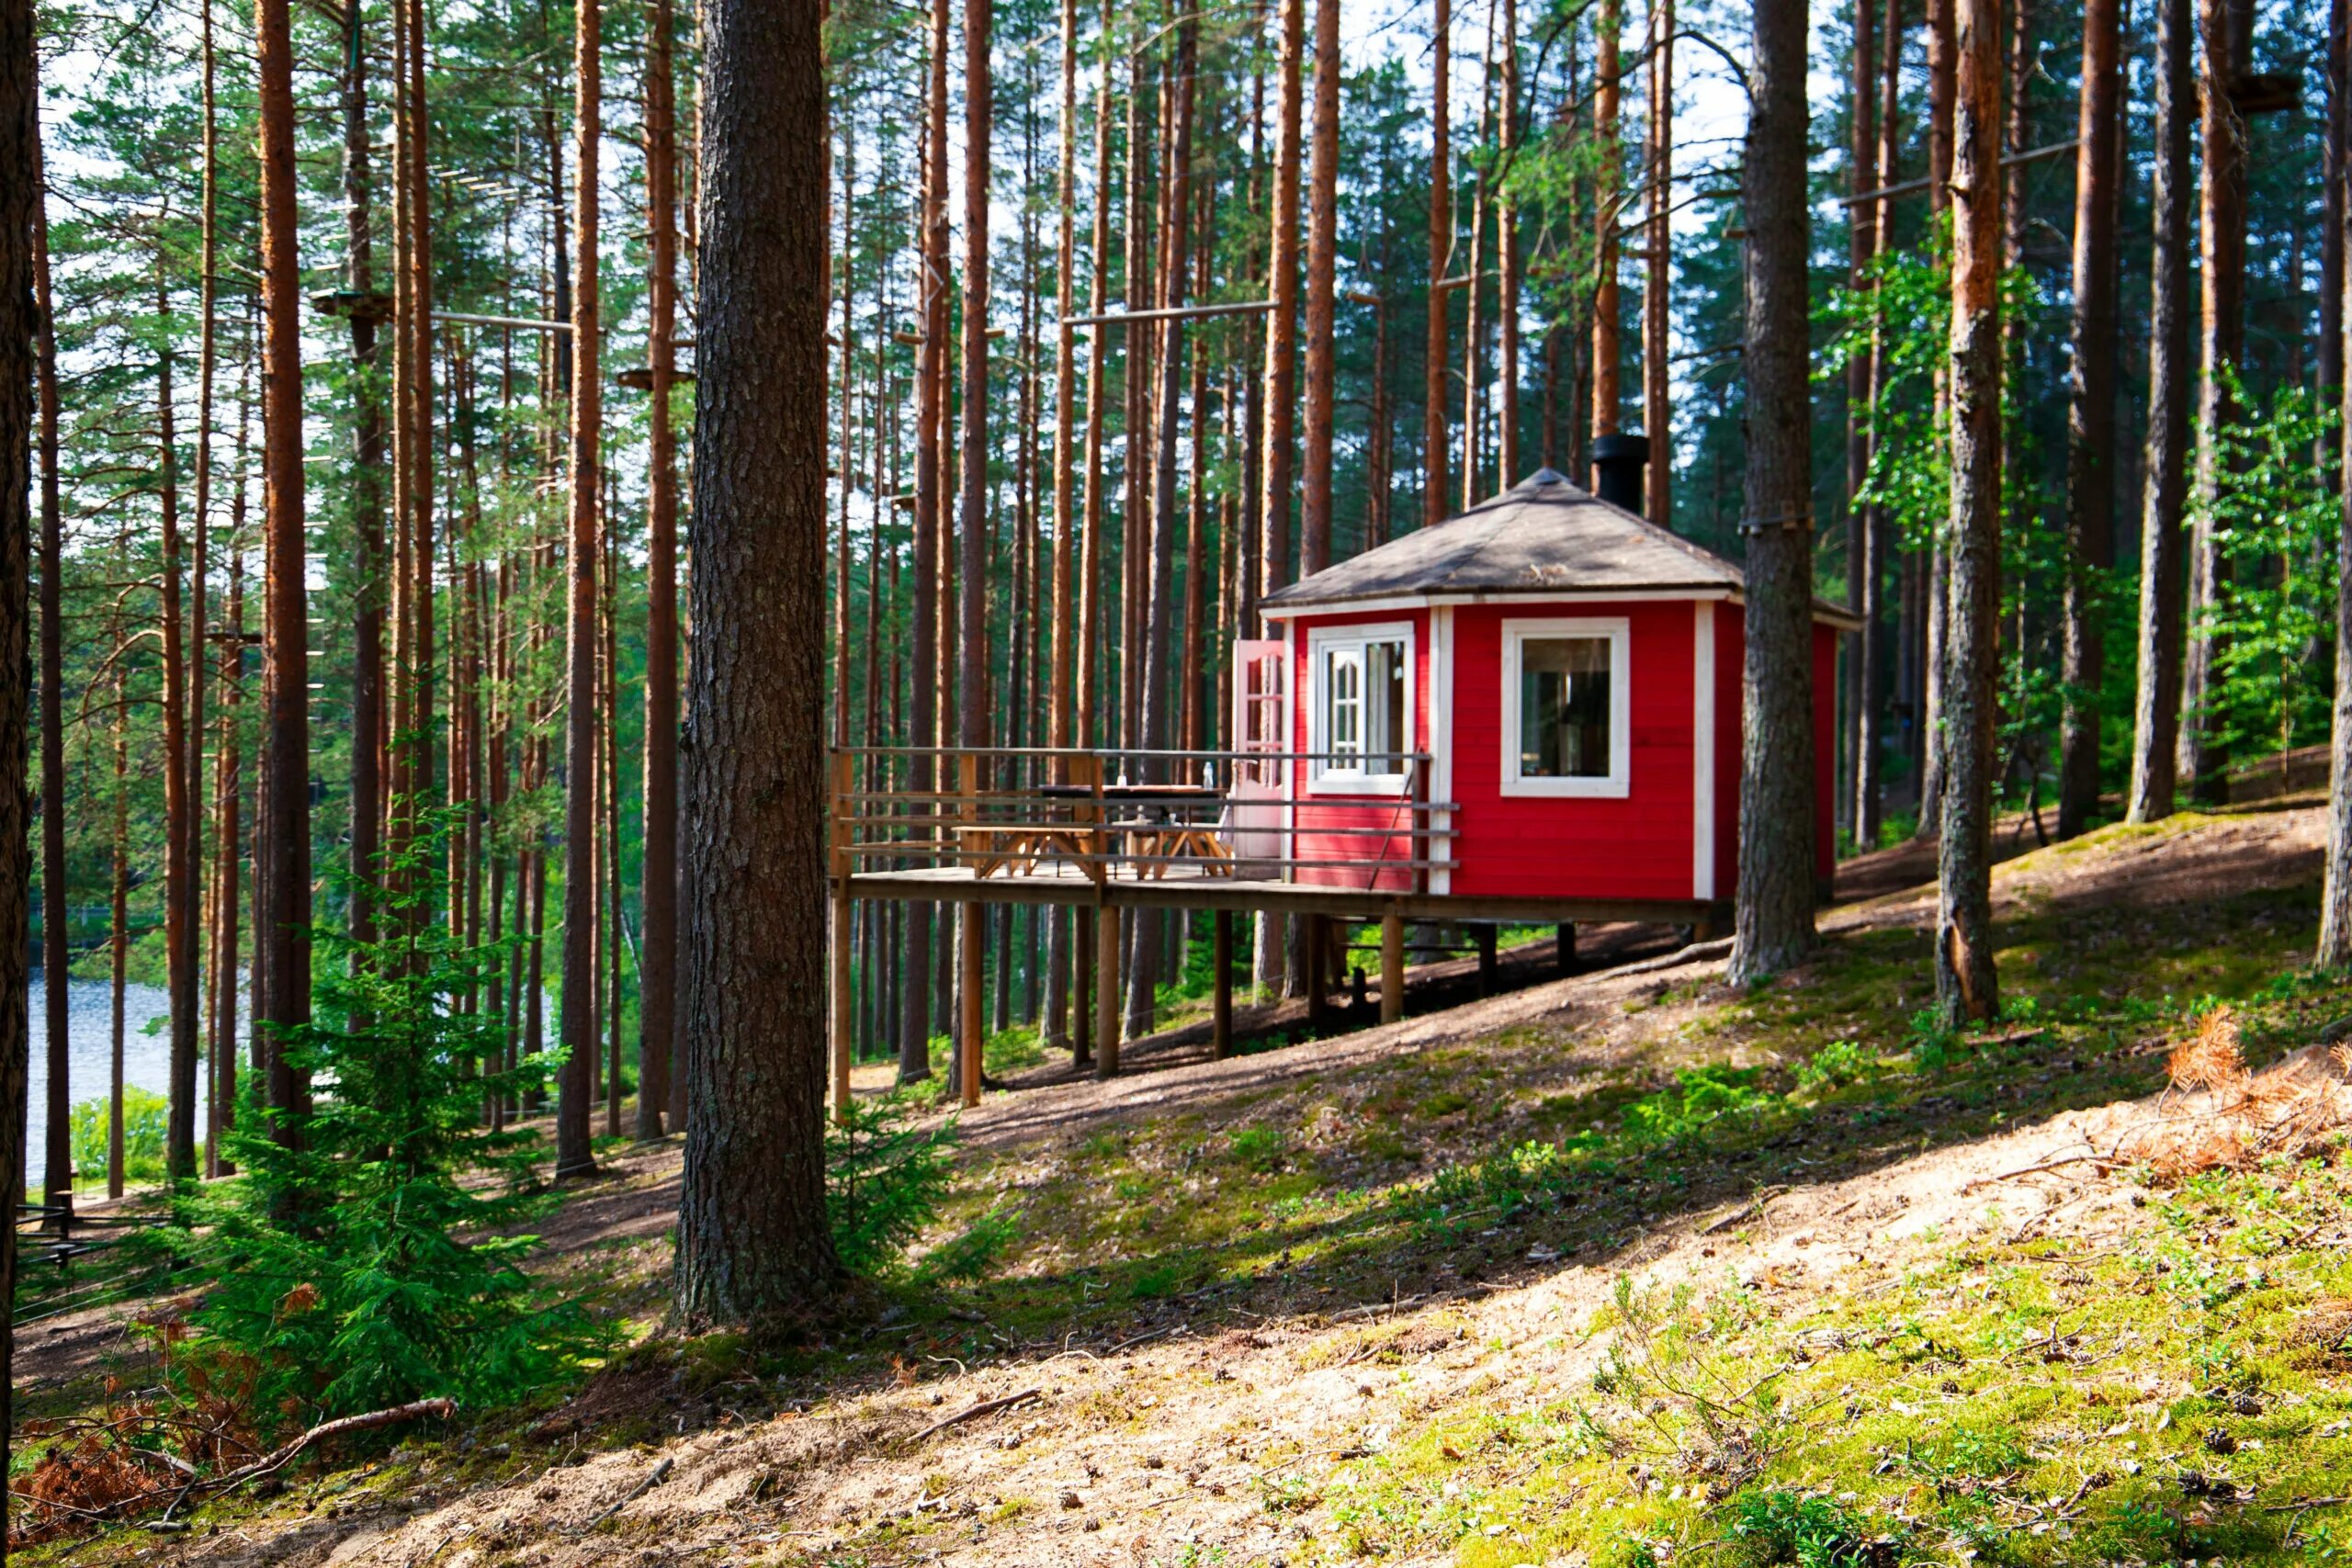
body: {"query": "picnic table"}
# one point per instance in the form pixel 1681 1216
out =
pixel 1159 836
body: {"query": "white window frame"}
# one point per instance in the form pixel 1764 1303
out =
pixel 1323 776
pixel 1618 629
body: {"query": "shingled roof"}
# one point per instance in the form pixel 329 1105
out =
pixel 1541 536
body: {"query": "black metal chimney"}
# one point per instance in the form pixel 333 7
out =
pixel 1617 465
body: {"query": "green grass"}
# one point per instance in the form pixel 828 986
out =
pixel 2182 1393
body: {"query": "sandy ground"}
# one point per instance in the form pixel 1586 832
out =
pixel 1070 1475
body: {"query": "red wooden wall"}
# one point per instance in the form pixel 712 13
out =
pixel 1640 846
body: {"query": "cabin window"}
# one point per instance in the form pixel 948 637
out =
pixel 1362 713
pixel 1566 718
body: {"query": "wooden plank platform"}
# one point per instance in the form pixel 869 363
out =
pixel 1183 888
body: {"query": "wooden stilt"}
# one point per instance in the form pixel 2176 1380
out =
pixel 1221 962
pixel 1565 959
pixel 1106 992
pixel 1081 986
pixel 1318 979
pixel 844 1003
pixel 1485 937
pixel 845 1000
pixel 1392 965
pixel 971 928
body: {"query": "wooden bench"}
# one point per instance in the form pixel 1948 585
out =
pixel 1159 844
pixel 1019 846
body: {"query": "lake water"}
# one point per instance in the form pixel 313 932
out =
pixel 146 1058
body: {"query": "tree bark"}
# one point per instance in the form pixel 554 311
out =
pixel 972 690
pixel 2335 947
pixel 2091 417
pixel 915 1026
pixel 282 923
pixel 1322 258
pixel 1773 912
pixel 1965 983
pixel 2221 347
pixel 367 738
pixel 1608 309
pixel 658 959
pixel 1861 247
pixel 1060 702
pixel 179 827
pixel 1433 458
pixel 21 204
pixel 2156 717
pixel 57 1157
pixel 1507 293
pixel 1869 743
pixel 583 549
pixel 752 1241
pixel 1657 277
pixel 1276 473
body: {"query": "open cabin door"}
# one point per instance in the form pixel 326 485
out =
pixel 1257 816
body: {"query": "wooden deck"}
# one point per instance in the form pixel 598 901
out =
pixel 1181 888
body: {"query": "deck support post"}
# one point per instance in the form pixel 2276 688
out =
pixel 1081 992
pixel 1221 1006
pixel 1565 959
pixel 1317 941
pixel 1106 991
pixel 1485 937
pixel 972 930
pixel 1392 965
pixel 844 1020
pixel 844 1002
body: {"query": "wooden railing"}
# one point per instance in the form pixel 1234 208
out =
pixel 1136 816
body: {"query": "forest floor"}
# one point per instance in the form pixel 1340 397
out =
pixel 1616 1269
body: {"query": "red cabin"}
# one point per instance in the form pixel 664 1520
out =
pixel 1558 677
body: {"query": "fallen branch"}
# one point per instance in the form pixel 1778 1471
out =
pixel 985 1408
pixel 279 1458
pixel 640 1489
pixel 2102 1161
pixel 1696 952
pixel 1748 1210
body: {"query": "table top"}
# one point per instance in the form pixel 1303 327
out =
pixel 1173 792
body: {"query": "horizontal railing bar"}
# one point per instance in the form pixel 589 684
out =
pixel 1112 861
pixel 1120 831
pixel 1050 751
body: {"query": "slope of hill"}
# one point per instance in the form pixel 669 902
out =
pixel 1622 1268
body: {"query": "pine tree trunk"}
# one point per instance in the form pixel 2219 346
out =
pixel 367 717
pixel 1657 277
pixel 657 965
pixel 1322 257
pixel 2090 420
pixel 1774 907
pixel 1060 705
pixel 2222 344
pixel 180 827
pixel 1862 246
pixel 20 202
pixel 972 692
pixel 753 1242
pixel 1607 311
pixel 583 549
pixel 1935 565
pixel 1433 442
pixel 1965 983
pixel 57 1154
pixel 282 915
pixel 1508 303
pixel 1870 738
pixel 2156 707
pixel 2335 947
pixel 915 1020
